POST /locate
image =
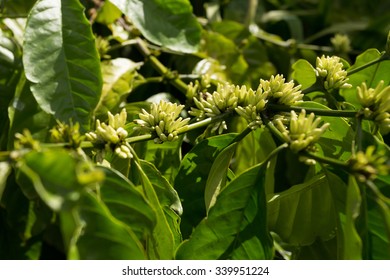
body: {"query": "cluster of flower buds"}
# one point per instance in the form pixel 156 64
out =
pixel 223 100
pixel 163 121
pixel 331 70
pixel 341 43
pixel 369 164
pixel 376 104
pixel 252 103
pixel 303 130
pixel 68 133
pixel 112 135
pixel 280 92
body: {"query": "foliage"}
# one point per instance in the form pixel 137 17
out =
pixel 231 131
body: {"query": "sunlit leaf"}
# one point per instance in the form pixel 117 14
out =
pixel 61 61
pixel 371 75
pixel 126 203
pixel 100 236
pixel 180 31
pixel 162 244
pixel 303 73
pixel 190 182
pixel 236 227
pixel 303 213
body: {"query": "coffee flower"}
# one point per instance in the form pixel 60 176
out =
pixel 331 70
pixel 369 164
pixel 223 100
pixel 163 121
pixel 303 131
pixel 376 104
pixel 112 136
pixel 252 103
pixel 281 92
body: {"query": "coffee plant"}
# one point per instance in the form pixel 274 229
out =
pixel 194 129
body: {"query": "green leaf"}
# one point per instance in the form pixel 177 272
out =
pixel 303 213
pixel 24 112
pixel 216 180
pixel 293 22
pixel 108 14
pixel 166 157
pixel 5 170
pixel 371 75
pixel 303 73
pixel 118 76
pixel 254 149
pixel 352 241
pixel 53 174
pixel 337 140
pixel 167 196
pixel 180 31
pixel 162 245
pixel 126 203
pixel 236 227
pixel 61 61
pixel 190 182
pixel 102 237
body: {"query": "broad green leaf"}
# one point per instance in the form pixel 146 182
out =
pixel 225 52
pixel 53 174
pixel 337 140
pixel 5 170
pixel 118 75
pixel 162 245
pixel 25 113
pixel 126 203
pixel 166 157
pixel 216 180
pixel 254 149
pixel 168 198
pixel 180 30
pixel 190 182
pixel 236 227
pixel 352 240
pixel 108 14
pixel 61 61
pixel 303 73
pixel 371 75
pixel 102 237
pixel 303 213
pixel 293 22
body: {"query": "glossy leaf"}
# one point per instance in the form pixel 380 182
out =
pixel 53 174
pixel 236 227
pixel 168 198
pixel 190 182
pixel 303 213
pixel 303 73
pixel 352 240
pixel 180 31
pixel 337 140
pixel 5 170
pixel 118 75
pixel 61 61
pixel 96 225
pixel 162 243
pixel 371 75
pixel 24 112
pixel 126 203
pixel 217 178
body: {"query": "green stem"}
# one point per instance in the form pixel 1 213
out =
pixel 342 164
pixel 319 112
pixel 359 133
pixel 272 128
pixel 383 57
pixel 161 69
pixel 242 135
pixel 251 12
pixel 315 87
